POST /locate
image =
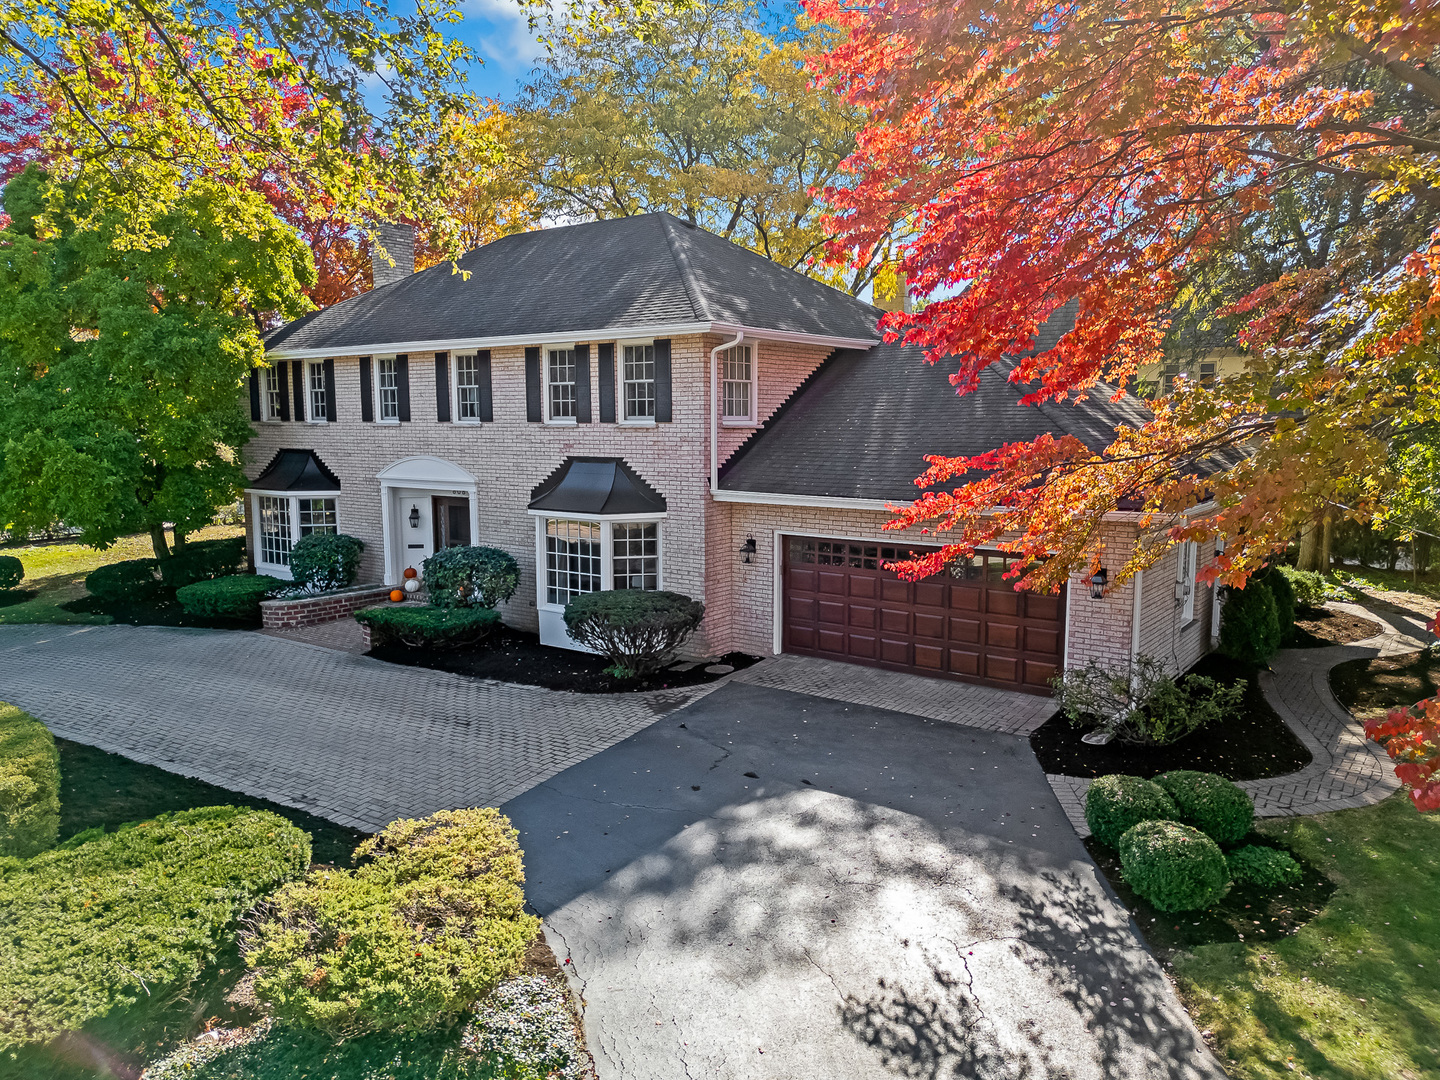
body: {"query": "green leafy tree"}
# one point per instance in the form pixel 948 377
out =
pixel 121 366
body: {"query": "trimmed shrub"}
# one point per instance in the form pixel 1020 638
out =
pixel 1174 867
pixel 434 627
pixel 234 597
pixel 431 925
pixel 465 577
pixel 110 920
pixel 133 579
pixel 325 561
pixel 1142 702
pixel 1249 623
pixel 525 1027
pixel 12 572
pixel 1212 804
pixel 1279 586
pixel 636 630
pixel 1307 586
pixel 1117 803
pixel 202 560
pixel 29 784
pixel 1267 867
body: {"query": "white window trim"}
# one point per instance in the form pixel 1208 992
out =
pixel 736 421
pixel 293 498
pixel 266 416
pixel 629 421
pixel 375 388
pixel 455 416
pixel 607 548
pixel 555 421
pixel 1186 567
pixel 310 365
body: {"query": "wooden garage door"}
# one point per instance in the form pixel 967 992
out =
pixel 965 622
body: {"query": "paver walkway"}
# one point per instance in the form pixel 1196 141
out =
pixel 1347 770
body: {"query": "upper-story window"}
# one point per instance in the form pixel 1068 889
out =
pixel 467 387
pixel 560 382
pixel 737 385
pixel 638 376
pixel 1185 571
pixel 272 393
pixel 387 386
pixel 315 384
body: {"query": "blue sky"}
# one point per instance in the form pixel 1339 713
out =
pixel 496 30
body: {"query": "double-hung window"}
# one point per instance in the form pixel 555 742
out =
pixel 560 383
pixel 467 387
pixel 274 535
pixel 737 385
pixel 1185 571
pixel 638 379
pixel 282 521
pixel 272 393
pixel 387 389
pixel 315 384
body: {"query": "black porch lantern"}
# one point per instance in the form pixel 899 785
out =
pixel 748 548
pixel 414 516
pixel 1098 581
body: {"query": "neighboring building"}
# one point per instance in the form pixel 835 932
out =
pixel 637 403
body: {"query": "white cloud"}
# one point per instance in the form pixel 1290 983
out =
pixel 505 40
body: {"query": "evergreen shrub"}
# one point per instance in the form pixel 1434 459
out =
pixel 425 626
pixel 322 562
pixel 466 577
pixel 1174 867
pixel 202 560
pixel 636 630
pixel 1116 803
pixel 1307 585
pixel 1267 867
pixel 1250 624
pixel 29 784
pixel 1279 586
pixel 235 597
pixel 12 572
pixel 1212 804
pixel 133 580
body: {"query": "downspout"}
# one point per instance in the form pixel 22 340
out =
pixel 1135 619
pixel 715 410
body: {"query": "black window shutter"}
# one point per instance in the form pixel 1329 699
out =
pixel 662 380
pixel 442 387
pixel 402 385
pixel 606 373
pixel 582 384
pixel 254 393
pixel 487 402
pixel 332 412
pixel 282 376
pixel 367 392
pixel 298 369
pixel 532 384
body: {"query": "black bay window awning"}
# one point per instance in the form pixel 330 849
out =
pixel 295 470
pixel 596 487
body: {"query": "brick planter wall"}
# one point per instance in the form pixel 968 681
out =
pixel 327 607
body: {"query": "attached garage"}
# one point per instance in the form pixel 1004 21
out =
pixel 966 623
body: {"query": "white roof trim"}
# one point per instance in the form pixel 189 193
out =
pixel 775 498
pixel 613 333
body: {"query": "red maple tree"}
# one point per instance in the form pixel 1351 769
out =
pixel 1411 736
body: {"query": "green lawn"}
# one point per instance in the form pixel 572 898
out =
pixel 56 574
pixel 1356 992
pixel 1370 579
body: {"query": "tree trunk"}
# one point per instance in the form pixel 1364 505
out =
pixel 1326 542
pixel 178 540
pixel 157 540
pixel 1309 548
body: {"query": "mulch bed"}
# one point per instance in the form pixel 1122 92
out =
pixel 1373 687
pixel 160 610
pixel 1248 913
pixel 1252 744
pixel 11 597
pixel 517 657
pixel 1317 628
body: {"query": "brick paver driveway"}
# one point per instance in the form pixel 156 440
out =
pixel 355 740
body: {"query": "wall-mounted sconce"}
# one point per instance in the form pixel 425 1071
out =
pixel 748 548
pixel 1098 581
pixel 414 516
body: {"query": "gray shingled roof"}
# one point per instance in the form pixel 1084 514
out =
pixel 861 425
pixel 623 272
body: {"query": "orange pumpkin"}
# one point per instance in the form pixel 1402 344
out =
pixel 410 572
pixel 396 595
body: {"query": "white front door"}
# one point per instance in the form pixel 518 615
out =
pixel 414 531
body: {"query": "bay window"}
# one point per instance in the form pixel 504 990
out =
pixel 587 555
pixel 282 519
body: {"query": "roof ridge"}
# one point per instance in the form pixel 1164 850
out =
pixel 668 223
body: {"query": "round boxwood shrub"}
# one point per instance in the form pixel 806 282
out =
pixel 12 572
pixel 1174 867
pixel 1117 803
pixel 470 577
pixel 425 626
pixel 324 561
pixel 234 597
pixel 1267 867
pixel 107 921
pixel 636 630
pixel 130 581
pixel 29 784
pixel 201 560
pixel 1279 586
pixel 1249 623
pixel 1212 804
pixel 415 936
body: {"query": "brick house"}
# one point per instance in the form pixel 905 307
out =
pixel 636 403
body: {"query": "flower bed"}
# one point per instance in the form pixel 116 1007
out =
pixel 287 614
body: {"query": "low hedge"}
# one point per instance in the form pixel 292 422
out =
pixel 322 562
pixel 202 560
pixel 414 937
pixel 107 921
pixel 12 572
pixel 234 597
pixel 636 630
pixel 1174 867
pixel 465 577
pixel 1116 803
pixel 1212 804
pixel 131 580
pixel 29 784
pixel 1267 867
pixel 424 625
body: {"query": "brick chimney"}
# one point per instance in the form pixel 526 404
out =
pixel 399 243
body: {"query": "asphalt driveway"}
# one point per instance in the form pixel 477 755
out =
pixel 769 884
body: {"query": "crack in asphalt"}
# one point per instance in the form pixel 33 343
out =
pixel 574 971
pixel 843 996
pixel 609 802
